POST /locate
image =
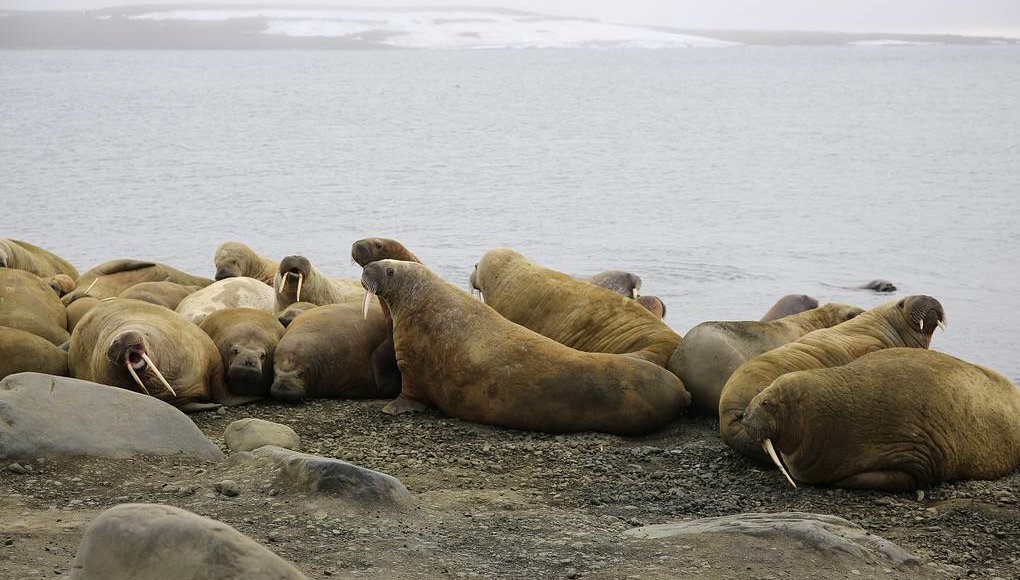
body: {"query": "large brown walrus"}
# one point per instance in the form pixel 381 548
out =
pixel 571 312
pixel 240 292
pixel 27 303
pixel 327 353
pixel 78 309
pixel 471 363
pixel 711 351
pixel 246 339
pixel 110 279
pixel 22 351
pixel 908 322
pixel 146 348
pixel 165 294
pixel 235 259
pixel 60 283
pixel 299 281
pixel 789 304
pixel 25 256
pixel 894 420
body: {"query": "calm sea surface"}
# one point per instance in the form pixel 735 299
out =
pixel 723 177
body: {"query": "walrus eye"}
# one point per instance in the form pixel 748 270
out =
pixel 901 302
pixel 236 350
pixel 378 245
pixel 766 403
pixel 389 272
pixel 262 356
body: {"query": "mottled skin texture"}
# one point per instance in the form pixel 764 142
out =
pixel 227 293
pixel 293 311
pixel 247 339
pixel 116 331
pixel 894 420
pixel 327 352
pixel 618 281
pixel 110 279
pixel 789 305
pixel 315 288
pixel 463 357
pixel 78 309
pixel 908 322
pixel 26 302
pixel 25 256
pixel 234 259
pixel 571 312
pixel 22 351
pixel 165 294
pixel 711 351
pixel 653 304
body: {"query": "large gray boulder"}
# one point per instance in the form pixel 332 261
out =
pixel 249 434
pixel 155 542
pixel 44 416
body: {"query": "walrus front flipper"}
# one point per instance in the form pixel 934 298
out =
pixel 880 480
pixel 125 266
pixel 198 407
pixel 238 400
pixel 384 369
pixel 402 405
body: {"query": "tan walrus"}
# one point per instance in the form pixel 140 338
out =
pixel 25 256
pixel 571 312
pixel 60 283
pixel 22 351
pixel 146 348
pixel 470 362
pixel 246 339
pixel 299 281
pixel 908 322
pixel 78 309
pixel 234 259
pixel 711 351
pixel 27 303
pixel 110 279
pixel 165 294
pixel 653 304
pixel 894 420
pixel 789 304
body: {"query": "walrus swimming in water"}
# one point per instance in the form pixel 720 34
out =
pixel 25 256
pixel 110 279
pixel 908 322
pixel 711 351
pixel 571 312
pixel 22 351
pixel 903 418
pixel 789 304
pixel 618 281
pixel 299 281
pixel 227 293
pixel 462 356
pixel 27 303
pixel 234 259
pixel 246 339
pixel 165 294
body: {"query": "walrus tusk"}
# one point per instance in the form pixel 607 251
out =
pixel 134 376
pixel 767 444
pixel 283 282
pixel 942 325
pixel 162 379
pixel 368 301
pixel 921 323
pixel 91 285
pixel 300 279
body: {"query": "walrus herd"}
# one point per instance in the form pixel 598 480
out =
pixel 830 394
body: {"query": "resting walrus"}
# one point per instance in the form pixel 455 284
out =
pixel 711 351
pixel 234 259
pixel 789 304
pixel 905 418
pixel 618 281
pixel 653 304
pixel 227 293
pixel 60 283
pixel 246 339
pixel 908 322
pixel 22 351
pixel 571 312
pixel 165 294
pixel 110 279
pixel 299 281
pixel 472 363
pixel 25 256
pixel 27 303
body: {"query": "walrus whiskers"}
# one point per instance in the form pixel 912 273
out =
pixel 155 369
pixel 767 444
pixel 368 301
pixel 134 376
pixel 300 279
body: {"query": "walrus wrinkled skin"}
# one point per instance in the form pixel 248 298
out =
pixel 234 259
pixel 908 322
pixel 571 312
pixel 288 314
pixel 22 351
pixel 327 353
pixel 27 303
pixel 618 281
pixel 165 294
pixel 298 281
pixel 227 293
pixel 711 351
pixel 894 420
pixel 78 309
pixel 120 334
pixel 788 305
pixel 463 357
pixel 110 279
pixel 246 339
pixel 25 256
pixel 653 304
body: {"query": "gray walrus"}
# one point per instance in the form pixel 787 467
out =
pixel 27 303
pixel 25 256
pixel 246 339
pixel 165 294
pixel 22 351
pixel 618 281
pixel 905 418
pixel 789 304
pixel 238 292
pixel 234 259
pixel 299 281
pixel 108 280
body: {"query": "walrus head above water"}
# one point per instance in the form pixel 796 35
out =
pixel 130 349
pixel 369 250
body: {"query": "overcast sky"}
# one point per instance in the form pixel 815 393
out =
pixel 991 17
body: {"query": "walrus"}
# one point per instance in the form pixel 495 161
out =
pixel 904 418
pixel 369 250
pixel 299 281
pixel 227 293
pixel 60 283
pixel 789 304
pixel 618 281
pixel 878 285
pixel 165 294
pixel 327 353
pixel 653 304
pixel 711 351
pixel 291 312
pixel 246 339
pixel 571 312
pixel 110 279
pixel 909 322
pixel 22 351
pixel 27 303
pixel 465 358
pixel 78 309
pixel 234 259
pixel 25 256
pixel 146 348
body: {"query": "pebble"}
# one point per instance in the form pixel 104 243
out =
pixel 19 468
pixel 228 487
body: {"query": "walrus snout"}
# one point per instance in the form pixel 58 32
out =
pixel 224 272
pixel 925 312
pixel 288 386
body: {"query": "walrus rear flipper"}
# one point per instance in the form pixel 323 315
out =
pixel 194 407
pixel 126 265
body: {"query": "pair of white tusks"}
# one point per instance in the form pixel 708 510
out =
pixel 477 292
pixel 368 302
pixel 767 444
pixel 155 369
pixel 283 284
pixel 941 325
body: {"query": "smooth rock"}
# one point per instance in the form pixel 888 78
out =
pixel 43 415
pixel 249 434
pixel 228 487
pixel 153 542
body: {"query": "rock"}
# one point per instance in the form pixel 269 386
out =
pixel 249 434
pixel 310 473
pixel 19 468
pixel 149 541
pixel 228 487
pixel 44 415
pixel 825 533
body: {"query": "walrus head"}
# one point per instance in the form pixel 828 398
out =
pixel 130 350
pixel 370 250
pixel 619 281
pixel 761 421
pixel 246 368
pixel 389 279
pixel 654 304
pixel 61 284
pixel 229 260
pixel 297 268
pixel 290 381
pixel 922 315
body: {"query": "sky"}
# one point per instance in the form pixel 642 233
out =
pixel 975 17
